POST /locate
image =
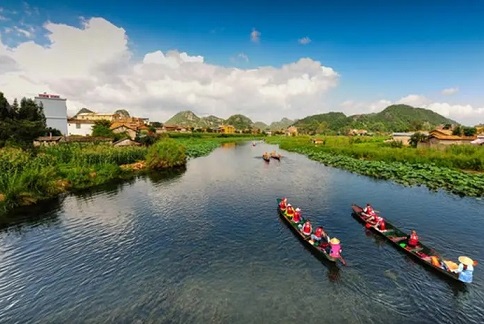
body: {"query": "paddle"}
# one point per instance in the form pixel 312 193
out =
pixel 342 260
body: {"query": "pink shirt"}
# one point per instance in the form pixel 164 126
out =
pixel 334 252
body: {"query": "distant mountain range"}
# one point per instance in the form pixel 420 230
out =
pixel 188 119
pixel 394 118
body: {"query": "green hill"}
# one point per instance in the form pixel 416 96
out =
pixel 84 111
pixel 260 125
pixel 240 122
pixel 211 121
pixel 122 112
pixel 395 118
pixel 283 124
pixel 184 118
pixel 321 123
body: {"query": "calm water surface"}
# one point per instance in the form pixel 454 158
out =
pixel 206 246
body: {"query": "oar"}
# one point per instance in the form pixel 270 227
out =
pixel 342 260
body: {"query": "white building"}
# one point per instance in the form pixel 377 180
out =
pixel 79 127
pixel 55 111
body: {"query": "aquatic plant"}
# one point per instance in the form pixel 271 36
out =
pixel 436 169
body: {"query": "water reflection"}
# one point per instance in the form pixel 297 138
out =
pixel 44 213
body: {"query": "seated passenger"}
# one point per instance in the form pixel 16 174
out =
pixel 306 229
pixel 282 204
pixel 412 239
pixel 380 223
pixel 369 211
pixel 318 234
pixel 297 216
pixel 289 211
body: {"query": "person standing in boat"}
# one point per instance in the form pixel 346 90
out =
pixel 318 235
pixel 465 269
pixel 297 216
pixel 289 211
pixel 282 204
pixel 412 239
pixel 307 228
pixel 335 248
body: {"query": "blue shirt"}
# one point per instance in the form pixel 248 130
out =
pixel 465 275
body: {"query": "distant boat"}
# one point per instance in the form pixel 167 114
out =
pixel 253 144
pixel 266 157
pixel 276 156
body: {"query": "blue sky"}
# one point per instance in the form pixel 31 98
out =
pixel 381 50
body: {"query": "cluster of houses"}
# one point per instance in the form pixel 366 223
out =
pixel 441 136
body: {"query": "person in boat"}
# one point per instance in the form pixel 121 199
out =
pixel 297 216
pixel 380 223
pixel 465 269
pixel 318 235
pixel 307 228
pixel 369 212
pixel 289 211
pixel 282 204
pixel 334 248
pixel 412 239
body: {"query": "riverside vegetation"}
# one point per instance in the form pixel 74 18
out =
pixel 27 176
pixel 458 169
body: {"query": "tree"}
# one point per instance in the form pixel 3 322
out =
pixel 469 131
pixel 156 124
pixel 417 138
pixel 457 131
pixel 20 125
pixel 102 128
pixel 52 131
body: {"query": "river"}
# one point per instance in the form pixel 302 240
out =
pixel 206 245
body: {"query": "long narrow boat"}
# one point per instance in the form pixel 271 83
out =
pixel 318 250
pixel 398 238
pixel 276 156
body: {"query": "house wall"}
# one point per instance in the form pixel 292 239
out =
pixel 435 141
pixel 55 111
pixel 403 139
pixel 83 129
pixel 131 133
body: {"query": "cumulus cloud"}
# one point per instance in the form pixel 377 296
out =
pixel 92 66
pixel 414 100
pixel 304 41
pixel 450 91
pixel 255 35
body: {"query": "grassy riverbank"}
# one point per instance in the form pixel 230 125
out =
pixel 29 176
pixel 437 169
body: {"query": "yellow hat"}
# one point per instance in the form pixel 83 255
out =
pixel 334 240
pixel 466 260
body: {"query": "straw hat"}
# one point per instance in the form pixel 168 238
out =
pixel 466 260
pixel 334 240
pixel 298 209
pixel 289 205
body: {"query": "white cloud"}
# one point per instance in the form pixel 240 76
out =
pixel 92 66
pixel 304 41
pixel 255 36
pixel 240 58
pixel 450 91
pixel 414 100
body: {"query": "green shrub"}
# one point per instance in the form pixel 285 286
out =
pixel 166 153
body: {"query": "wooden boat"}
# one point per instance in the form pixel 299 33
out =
pixel 276 156
pixel 266 158
pixel 398 238
pixel 317 250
